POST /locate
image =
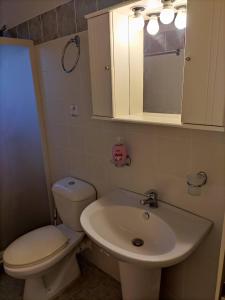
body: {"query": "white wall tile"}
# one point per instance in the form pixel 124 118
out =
pixel 162 157
pixel 59 163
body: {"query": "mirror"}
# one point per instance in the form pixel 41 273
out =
pixel 163 70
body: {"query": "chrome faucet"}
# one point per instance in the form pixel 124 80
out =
pixel 152 199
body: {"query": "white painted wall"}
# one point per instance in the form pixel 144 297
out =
pixel 161 159
pixel 14 12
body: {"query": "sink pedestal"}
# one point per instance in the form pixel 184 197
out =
pixel 139 283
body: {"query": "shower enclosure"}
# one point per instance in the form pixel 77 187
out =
pixel 24 203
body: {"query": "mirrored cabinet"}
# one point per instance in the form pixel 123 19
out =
pixel 159 62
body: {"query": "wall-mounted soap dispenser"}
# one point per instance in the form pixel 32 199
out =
pixel 120 156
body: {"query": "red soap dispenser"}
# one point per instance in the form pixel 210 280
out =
pixel 120 156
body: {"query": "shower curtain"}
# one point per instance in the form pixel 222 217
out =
pixel 24 201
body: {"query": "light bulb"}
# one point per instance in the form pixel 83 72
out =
pixel 153 25
pixel 167 14
pixel 181 19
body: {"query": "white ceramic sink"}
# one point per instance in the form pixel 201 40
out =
pixel 169 234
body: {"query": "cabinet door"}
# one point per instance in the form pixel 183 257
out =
pixel 100 64
pixel 204 73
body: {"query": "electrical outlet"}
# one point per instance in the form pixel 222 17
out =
pixel 74 111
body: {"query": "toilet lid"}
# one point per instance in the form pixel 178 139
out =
pixel 35 246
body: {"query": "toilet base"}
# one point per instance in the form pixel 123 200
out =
pixel 59 277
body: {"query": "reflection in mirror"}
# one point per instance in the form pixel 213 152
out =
pixel 163 70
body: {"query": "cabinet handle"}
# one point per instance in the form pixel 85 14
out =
pixel 107 68
pixel 188 58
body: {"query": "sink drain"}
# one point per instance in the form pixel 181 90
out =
pixel 137 242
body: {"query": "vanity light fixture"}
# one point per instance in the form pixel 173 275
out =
pixel 166 17
pixel 181 18
pixel 153 25
pixel 138 18
pixel 168 12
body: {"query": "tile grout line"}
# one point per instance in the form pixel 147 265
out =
pixel 75 15
pixel 42 30
pixel 42 33
pixel 57 23
pixel 28 29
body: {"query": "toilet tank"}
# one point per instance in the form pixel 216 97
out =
pixel 71 196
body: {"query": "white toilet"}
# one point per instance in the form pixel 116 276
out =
pixel 45 257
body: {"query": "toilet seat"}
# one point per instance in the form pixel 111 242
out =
pixel 73 239
pixel 35 247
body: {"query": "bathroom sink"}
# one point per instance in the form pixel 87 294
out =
pixel 168 234
pixel 143 239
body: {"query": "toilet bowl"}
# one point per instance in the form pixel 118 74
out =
pixel 46 257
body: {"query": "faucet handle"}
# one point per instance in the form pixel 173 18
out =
pixel 151 193
pixel 152 199
pixel 143 201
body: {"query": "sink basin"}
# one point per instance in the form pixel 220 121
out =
pixel 169 233
pixel 141 237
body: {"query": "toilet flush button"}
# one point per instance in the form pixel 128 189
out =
pixel 71 182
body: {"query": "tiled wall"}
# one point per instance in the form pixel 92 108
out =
pixel 69 18
pixel 167 39
pixel 60 21
pixel 161 159
pixel 13 12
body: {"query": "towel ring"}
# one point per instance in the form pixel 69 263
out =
pixel 76 42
